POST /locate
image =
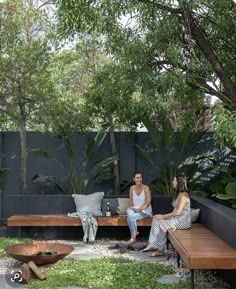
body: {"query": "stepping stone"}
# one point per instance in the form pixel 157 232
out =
pixel 126 247
pixel 146 257
pixel 168 279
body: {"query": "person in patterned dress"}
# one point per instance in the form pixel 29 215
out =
pixel 179 218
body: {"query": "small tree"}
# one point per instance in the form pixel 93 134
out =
pixel 25 85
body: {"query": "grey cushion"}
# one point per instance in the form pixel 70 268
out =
pixel 123 204
pixel 89 203
pixel 194 214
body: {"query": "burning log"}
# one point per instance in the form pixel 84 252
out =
pixel 36 270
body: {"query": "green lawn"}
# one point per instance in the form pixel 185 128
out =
pixel 103 273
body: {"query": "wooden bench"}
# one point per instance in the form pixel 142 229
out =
pixel 199 248
pixel 64 220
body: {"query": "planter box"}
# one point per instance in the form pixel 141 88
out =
pixel 221 220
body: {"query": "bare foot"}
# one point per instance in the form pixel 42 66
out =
pixel 131 241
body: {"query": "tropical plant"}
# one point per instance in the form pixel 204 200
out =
pixel 75 181
pixel 225 123
pixel 224 188
pixel 183 163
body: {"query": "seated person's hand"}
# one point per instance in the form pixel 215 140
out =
pixel 158 216
pixel 134 208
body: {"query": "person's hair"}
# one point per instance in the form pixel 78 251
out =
pixel 181 185
pixel 134 174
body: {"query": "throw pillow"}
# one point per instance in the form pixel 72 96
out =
pixel 123 204
pixel 194 214
pixel 89 203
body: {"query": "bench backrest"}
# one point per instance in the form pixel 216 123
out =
pixel 63 204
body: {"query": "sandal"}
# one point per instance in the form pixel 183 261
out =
pixel 157 253
pixel 149 249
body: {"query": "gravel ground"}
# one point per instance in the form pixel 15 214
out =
pixel 108 248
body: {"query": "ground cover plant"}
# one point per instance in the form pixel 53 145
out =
pixel 4 242
pixel 105 273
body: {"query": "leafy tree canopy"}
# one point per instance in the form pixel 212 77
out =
pixel 187 40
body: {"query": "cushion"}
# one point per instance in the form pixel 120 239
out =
pixel 123 204
pixel 194 214
pixel 89 203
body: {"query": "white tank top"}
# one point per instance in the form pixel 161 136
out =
pixel 139 200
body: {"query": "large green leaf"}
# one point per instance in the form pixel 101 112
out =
pixel 94 144
pixel 49 180
pixel 230 189
pixel 225 197
pixel 45 154
pixel 198 193
pixel 153 131
pixel 146 154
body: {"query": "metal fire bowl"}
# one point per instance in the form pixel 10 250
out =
pixel 23 252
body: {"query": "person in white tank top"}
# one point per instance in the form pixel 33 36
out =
pixel 139 206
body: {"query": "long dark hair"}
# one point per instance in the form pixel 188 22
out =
pixel 181 185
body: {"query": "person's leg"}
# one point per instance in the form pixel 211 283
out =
pixel 131 221
pixel 157 236
pixel 132 218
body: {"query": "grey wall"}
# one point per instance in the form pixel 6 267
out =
pixel 130 160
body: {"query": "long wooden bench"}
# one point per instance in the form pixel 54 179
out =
pixel 199 248
pixel 63 220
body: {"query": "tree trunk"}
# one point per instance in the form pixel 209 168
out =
pixel 114 151
pixel 205 46
pixel 24 157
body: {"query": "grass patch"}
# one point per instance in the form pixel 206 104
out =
pixel 105 273
pixel 4 242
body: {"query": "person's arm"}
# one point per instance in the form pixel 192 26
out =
pixel 182 200
pixel 147 199
pixel 131 197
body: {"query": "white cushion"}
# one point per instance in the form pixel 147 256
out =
pixel 89 203
pixel 123 204
pixel 194 214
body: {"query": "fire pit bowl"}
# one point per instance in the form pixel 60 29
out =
pixel 40 253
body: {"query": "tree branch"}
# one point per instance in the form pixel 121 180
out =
pixel 163 7
pixel 205 47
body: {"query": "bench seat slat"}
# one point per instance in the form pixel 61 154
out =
pixel 63 220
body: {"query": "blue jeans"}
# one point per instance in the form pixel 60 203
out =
pixel 132 218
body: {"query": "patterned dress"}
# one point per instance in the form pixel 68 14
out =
pixel 158 233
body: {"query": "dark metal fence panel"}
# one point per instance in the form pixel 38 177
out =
pixel 130 160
